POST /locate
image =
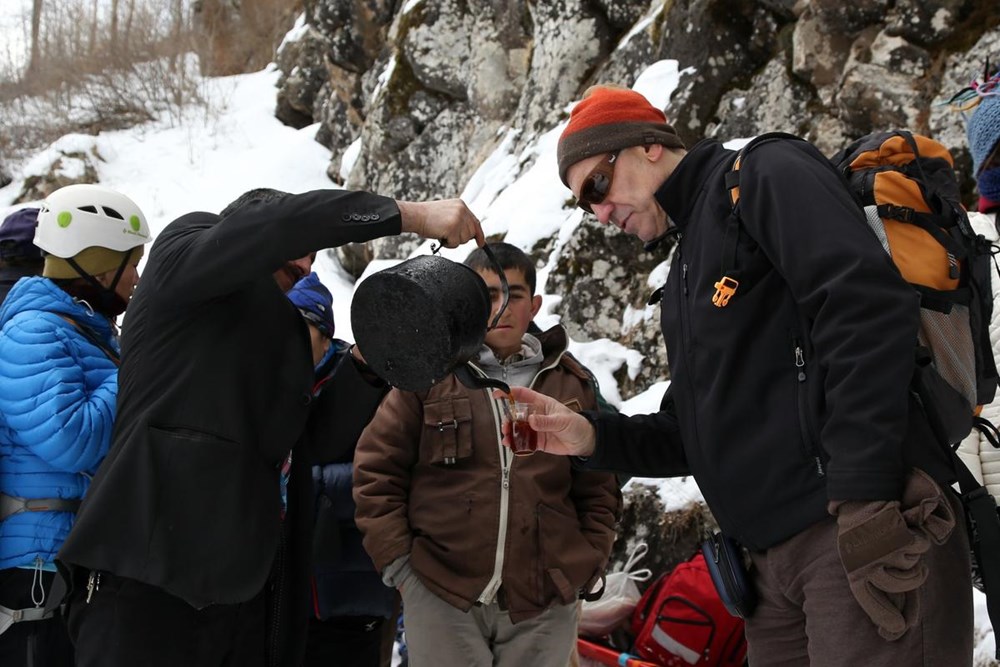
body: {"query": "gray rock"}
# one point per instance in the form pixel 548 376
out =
pixel 67 168
pixel 354 29
pixel 672 537
pixel 303 76
pixel 884 86
pixel 925 22
pixel 765 105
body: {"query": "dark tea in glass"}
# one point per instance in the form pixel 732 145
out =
pixel 523 438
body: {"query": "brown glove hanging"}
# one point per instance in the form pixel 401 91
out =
pixel 926 508
pixel 881 545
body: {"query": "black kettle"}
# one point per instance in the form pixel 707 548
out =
pixel 424 318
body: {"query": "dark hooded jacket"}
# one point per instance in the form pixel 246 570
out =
pixel 797 391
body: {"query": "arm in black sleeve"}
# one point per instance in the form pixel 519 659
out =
pixel 200 256
pixel 640 445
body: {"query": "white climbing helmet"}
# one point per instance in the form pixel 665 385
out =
pixel 81 216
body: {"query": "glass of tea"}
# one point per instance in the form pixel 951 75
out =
pixel 523 438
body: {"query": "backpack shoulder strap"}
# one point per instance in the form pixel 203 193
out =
pixel 727 285
pixel 733 177
pixel 981 511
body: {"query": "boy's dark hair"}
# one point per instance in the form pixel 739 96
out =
pixel 509 257
pixel 255 196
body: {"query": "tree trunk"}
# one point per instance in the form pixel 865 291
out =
pixel 36 23
pixel 127 34
pixel 92 46
pixel 178 20
pixel 114 28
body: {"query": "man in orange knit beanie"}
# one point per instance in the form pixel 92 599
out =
pixel 790 338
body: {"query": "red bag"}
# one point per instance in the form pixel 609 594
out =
pixel 680 620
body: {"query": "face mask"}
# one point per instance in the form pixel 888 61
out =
pixel 104 301
pixel 989 184
pixel 112 305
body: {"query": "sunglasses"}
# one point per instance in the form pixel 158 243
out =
pixel 597 184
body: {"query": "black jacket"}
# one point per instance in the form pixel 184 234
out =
pixel 215 389
pixel 797 391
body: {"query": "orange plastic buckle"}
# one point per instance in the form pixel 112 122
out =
pixel 724 291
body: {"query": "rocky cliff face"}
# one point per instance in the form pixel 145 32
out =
pixel 417 93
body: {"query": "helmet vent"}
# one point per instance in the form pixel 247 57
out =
pixel 88 209
pixel 112 213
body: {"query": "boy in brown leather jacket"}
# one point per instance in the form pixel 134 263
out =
pixel 490 551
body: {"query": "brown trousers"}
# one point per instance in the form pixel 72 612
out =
pixel 808 616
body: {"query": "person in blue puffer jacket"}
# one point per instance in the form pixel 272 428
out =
pixel 59 367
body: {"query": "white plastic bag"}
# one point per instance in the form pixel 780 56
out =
pixel 601 617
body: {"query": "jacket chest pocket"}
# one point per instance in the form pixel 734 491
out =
pixel 447 436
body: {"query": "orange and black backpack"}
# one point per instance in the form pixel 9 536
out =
pixel 906 185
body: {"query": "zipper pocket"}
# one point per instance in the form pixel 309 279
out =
pixel 802 401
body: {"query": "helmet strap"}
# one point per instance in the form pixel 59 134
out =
pixel 109 297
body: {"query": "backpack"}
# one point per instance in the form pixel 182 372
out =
pixel 680 620
pixel 906 185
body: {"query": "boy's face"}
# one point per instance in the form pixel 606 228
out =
pixel 522 307
pixel 320 343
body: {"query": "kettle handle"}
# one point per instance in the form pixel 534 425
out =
pixel 504 287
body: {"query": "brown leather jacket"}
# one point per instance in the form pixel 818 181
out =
pixel 432 480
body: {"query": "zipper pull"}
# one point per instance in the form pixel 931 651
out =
pixel 684 278
pixel 506 478
pixel 800 362
pixel 93 584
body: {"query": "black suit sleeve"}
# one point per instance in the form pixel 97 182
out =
pixel 199 257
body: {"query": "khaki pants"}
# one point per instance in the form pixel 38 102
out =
pixel 439 635
pixel 808 616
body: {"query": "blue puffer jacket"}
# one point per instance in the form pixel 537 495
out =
pixel 57 407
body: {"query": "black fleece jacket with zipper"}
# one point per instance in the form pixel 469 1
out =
pixel 797 391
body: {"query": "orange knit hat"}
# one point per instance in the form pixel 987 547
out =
pixel 608 119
